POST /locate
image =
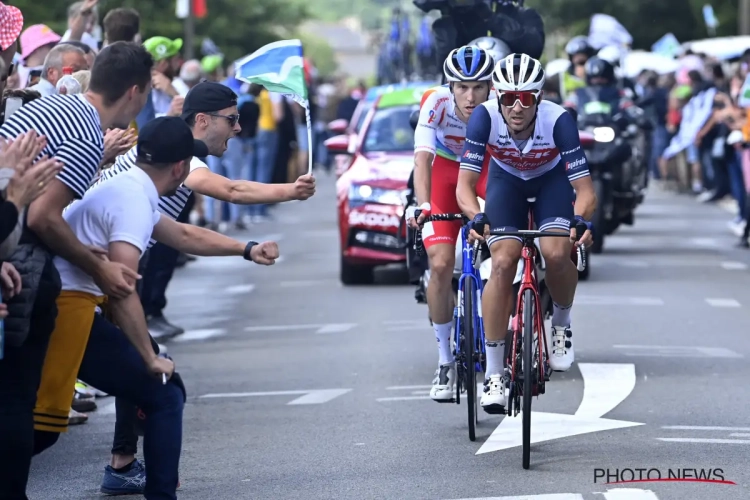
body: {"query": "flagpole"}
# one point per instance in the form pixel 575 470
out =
pixel 309 138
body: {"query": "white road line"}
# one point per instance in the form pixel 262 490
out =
pixel 319 397
pixel 400 322
pixel 299 284
pixel 407 387
pixel 239 289
pixel 629 494
pixel 606 385
pixel 705 440
pixel 674 351
pixel 734 266
pixel 634 263
pixel 281 328
pixel 705 242
pixel 548 496
pixel 336 328
pixel 199 334
pixel 739 435
pixel 723 303
pixel 599 300
pixel 106 410
pixel 402 398
pixel 251 394
pixel 704 428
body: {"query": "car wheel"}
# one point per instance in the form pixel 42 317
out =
pixel 356 275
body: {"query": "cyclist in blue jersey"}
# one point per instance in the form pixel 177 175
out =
pixel 535 153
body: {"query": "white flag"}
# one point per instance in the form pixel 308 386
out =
pixel 606 30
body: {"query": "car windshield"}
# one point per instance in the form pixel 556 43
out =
pixel 390 130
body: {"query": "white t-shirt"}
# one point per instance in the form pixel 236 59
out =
pixel 86 38
pixel 123 209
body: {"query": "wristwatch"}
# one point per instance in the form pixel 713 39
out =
pixel 248 248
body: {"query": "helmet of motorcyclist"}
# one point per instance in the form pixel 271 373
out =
pixel 518 73
pixel 468 64
pixel 493 46
pixel 599 72
pixel 579 45
pixel 612 54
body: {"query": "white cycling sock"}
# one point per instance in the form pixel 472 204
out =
pixel 443 336
pixel 495 353
pixel 561 315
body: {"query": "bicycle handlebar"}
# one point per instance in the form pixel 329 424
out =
pixel 529 234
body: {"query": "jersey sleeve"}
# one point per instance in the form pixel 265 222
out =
pixel 425 135
pixel 565 137
pixel 477 135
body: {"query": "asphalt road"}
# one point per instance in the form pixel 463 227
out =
pixel 303 389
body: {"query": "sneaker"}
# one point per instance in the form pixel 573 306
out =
pixel 87 390
pixel 562 356
pixel 129 482
pixel 160 328
pixel 442 385
pixel 493 398
pixel 83 404
pixel 75 418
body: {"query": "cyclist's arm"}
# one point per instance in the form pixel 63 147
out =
pixel 425 139
pixel 472 160
pixel 573 159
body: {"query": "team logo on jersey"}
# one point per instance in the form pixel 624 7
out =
pixel 532 160
pixel 578 163
pixel 432 116
pixel 469 155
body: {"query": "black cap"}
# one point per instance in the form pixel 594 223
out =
pixel 208 97
pixel 168 139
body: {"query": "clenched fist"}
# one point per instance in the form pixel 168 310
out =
pixel 265 253
pixel 304 187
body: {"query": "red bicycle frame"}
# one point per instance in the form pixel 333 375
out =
pixel 529 282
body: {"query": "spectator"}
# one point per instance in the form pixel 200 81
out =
pixel 36 43
pixel 212 67
pixel 190 76
pixel 62 56
pixel 84 78
pixel 11 21
pixel 88 51
pixel 163 50
pixel 73 127
pixel 83 20
pixel 122 25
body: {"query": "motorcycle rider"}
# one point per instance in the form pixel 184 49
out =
pixel 579 51
pixel 614 55
pixel 600 85
pixel 438 144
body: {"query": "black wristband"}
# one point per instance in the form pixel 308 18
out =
pixel 248 248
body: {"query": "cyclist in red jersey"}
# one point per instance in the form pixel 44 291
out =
pixel 438 143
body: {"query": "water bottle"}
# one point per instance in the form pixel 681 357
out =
pixel 67 84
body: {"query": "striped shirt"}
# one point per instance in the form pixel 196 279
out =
pixel 171 206
pixel 74 135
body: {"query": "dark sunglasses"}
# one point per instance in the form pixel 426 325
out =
pixel 527 99
pixel 232 119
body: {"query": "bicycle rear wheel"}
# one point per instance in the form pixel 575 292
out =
pixel 528 372
pixel 468 348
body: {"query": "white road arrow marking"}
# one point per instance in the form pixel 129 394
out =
pixel 604 387
pixel 313 397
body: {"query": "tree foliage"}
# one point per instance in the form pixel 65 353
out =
pixel 646 20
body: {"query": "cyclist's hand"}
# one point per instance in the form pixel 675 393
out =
pixel 580 232
pixel 479 228
pixel 414 221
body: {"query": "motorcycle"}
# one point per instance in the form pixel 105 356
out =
pixel 613 146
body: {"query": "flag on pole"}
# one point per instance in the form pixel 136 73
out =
pixel 279 67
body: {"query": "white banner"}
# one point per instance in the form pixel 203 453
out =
pixel 606 30
pixel 694 115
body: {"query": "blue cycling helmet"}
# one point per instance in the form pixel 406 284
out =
pixel 468 64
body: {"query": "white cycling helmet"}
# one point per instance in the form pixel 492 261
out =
pixel 518 73
pixel 494 47
pixel 468 64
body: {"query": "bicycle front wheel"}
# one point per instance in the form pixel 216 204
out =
pixel 528 372
pixel 468 348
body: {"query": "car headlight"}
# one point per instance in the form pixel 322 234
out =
pixel 362 193
pixel 604 134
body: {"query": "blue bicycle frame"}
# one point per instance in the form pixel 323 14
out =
pixel 469 272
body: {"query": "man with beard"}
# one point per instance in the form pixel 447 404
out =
pixel 163 50
pixel 535 153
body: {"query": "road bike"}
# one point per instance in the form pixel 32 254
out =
pixel 468 327
pixel 527 367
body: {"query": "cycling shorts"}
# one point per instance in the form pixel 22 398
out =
pixel 507 205
pixel 444 180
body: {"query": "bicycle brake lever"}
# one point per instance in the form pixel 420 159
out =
pixel 581 261
pixel 476 254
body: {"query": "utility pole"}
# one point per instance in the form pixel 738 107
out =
pixel 188 44
pixel 744 18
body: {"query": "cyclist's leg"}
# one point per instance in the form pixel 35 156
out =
pixel 440 243
pixel 554 211
pixel 507 208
